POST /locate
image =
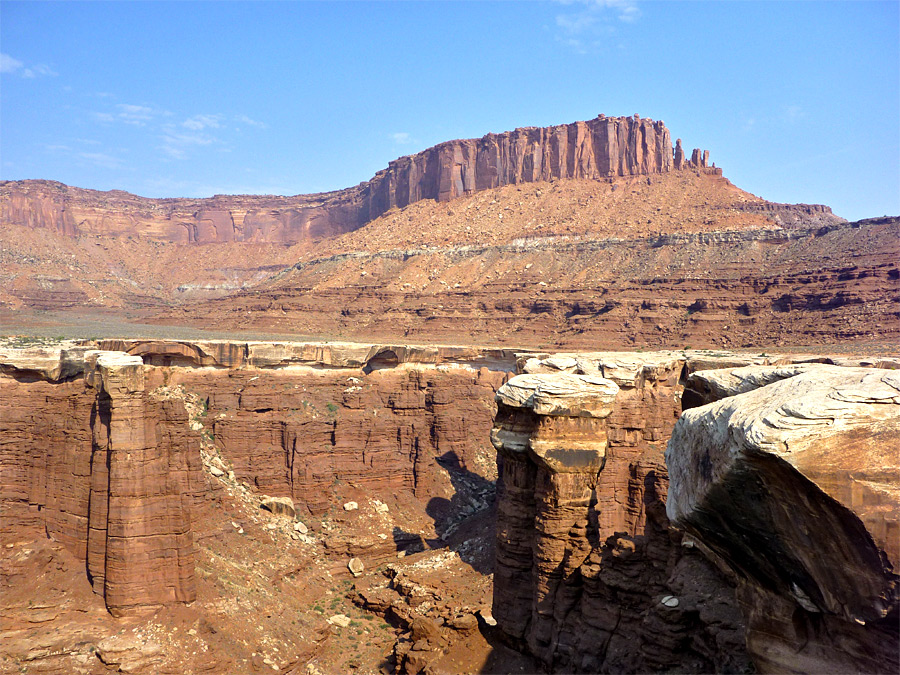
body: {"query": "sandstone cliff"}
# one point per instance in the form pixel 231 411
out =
pixel 589 577
pixel 790 477
pixel 146 463
pixel 599 148
pixel 101 466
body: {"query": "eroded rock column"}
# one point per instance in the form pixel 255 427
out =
pixel 140 541
pixel 550 434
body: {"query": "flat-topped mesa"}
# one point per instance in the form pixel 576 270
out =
pixel 601 148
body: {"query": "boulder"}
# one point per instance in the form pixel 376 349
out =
pixel 279 506
pixel 796 486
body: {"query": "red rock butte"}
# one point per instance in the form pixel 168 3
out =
pixel 604 147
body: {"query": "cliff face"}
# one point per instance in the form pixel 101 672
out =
pixel 109 471
pixel 589 576
pixel 100 452
pixel 600 148
pixel 789 475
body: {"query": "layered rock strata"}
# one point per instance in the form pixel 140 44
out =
pixel 739 288
pixel 599 148
pixel 102 467
pixel 790 477
pixel 589 577
pixel 101 453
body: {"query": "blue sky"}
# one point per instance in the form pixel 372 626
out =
pixel 796 101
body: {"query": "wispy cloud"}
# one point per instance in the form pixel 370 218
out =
pixel 588 24
pixel 243 119
pixel 175 144
pixel 138 115
pixel 102 159
pixel 8 64
pixel 12 66
pixel 401 138
pixel 174 140
pixel 200 122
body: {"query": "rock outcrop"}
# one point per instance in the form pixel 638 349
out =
pixel 589 577
pixel 791 479
pixel 599 148
pixel 106 469
pixel 101 452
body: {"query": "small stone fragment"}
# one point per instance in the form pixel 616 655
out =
pixel 351 506
pixel 669 601
pixel 355 566
pixel 341 620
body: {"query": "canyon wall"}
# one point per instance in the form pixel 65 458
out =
pixel 103 450
pixel 101 465
pixel 121 453
pixel 589 575
pixel 600 148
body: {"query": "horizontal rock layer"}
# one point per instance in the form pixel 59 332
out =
pixel 739 288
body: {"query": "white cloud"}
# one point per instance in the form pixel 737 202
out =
pixel 8 64
pixel 625 10
pixel 175 144
pixel 13 66
pixel 243 119
pixel 102 160
pixel 200 122
pixel 401 138
pixel 590 19
pixel 40 69
pixel 138 115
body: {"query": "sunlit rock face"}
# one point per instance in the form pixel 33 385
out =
pixel 791 477
pixel 589 577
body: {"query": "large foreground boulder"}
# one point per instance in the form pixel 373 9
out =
pixel 796 486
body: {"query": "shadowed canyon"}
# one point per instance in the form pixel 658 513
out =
pixel 554 400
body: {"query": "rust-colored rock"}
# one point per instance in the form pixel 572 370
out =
pixel 602 147
pixel 585 555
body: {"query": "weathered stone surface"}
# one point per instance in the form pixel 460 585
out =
pixel 113 477
pixel 584 550
pixel 280 506
pixel 560 395
pixel 796 485
pixel 52 362
pixel 706 386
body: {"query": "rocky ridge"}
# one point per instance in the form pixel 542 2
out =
pixel 599 148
